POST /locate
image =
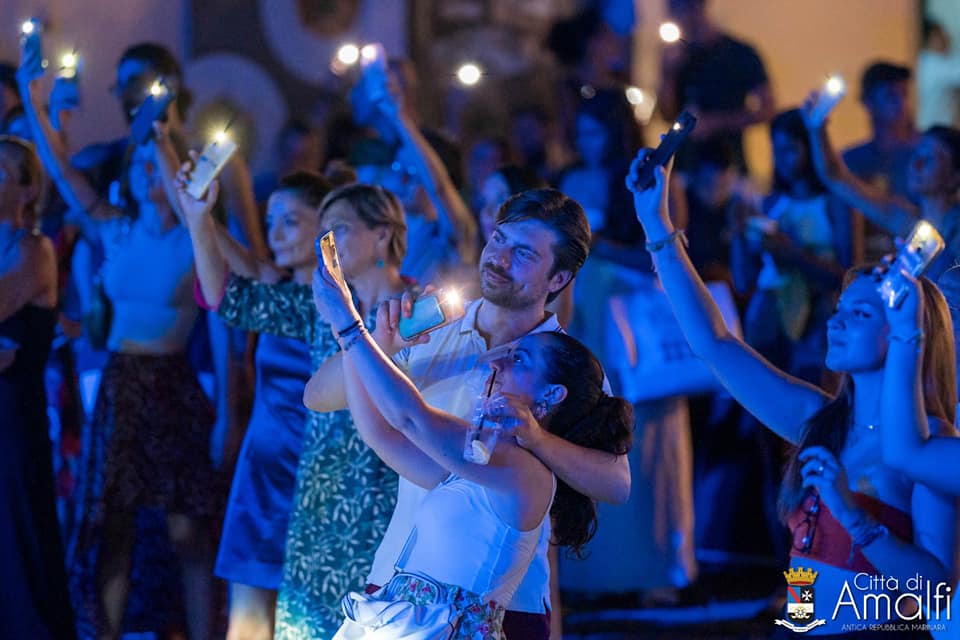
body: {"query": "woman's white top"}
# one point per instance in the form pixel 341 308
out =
pixel 459 539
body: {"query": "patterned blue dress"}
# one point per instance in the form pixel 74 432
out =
pixel 344 493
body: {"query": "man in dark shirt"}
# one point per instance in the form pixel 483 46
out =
pixel 709 191
pixel 884 158
pixel 720 79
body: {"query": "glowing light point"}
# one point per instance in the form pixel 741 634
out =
pixel 69 60
pixel 348 54
pixel 452 297
pixel 220 136
pixel 368 52
pixel 676 126
pixel 157 89
pixel 469 74
pixel 635 95
pixel 28 27
pixel 835 85
pixel 925 231
pixel 669 32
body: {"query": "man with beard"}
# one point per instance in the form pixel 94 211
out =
pixel 539 243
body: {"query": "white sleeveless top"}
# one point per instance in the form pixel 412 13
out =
pixel 447 373
pixel 459 539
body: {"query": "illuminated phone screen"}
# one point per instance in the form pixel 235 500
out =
pixel 427 314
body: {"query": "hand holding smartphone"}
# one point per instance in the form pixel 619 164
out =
pixel 660 156
pixel 921 248
pixel 211 162
pixel 327 255
pixel 427 314
pixel 373 74
pixel 153 108
pixel 825 100
pixel 31 49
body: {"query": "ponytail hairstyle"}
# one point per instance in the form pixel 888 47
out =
pixel 830 426
pixel 31 174
pixel 587 417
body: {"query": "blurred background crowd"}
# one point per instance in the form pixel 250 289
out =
pixel 487 98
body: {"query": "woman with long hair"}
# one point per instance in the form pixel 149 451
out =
pixel 35 601
pixel 796 264
pixel 477 529
pixel 848 513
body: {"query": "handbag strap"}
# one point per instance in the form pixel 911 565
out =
pixel 405 552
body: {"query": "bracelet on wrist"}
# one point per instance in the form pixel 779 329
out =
pixel 353 338
pixel 342 333
pixel 863 532
pixel 657 245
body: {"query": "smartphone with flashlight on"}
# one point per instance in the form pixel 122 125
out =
pixel 833 91
pixel 327 255
pixel 921 248
pixel 31 44
pixel 211 162
pixel 153 108
pixel 427 314
pixel 373 64
pixel 678 132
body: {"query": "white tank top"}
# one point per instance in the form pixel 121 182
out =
pixel 533 594
pixel 459 539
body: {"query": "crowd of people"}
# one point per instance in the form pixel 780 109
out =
pixel 322 475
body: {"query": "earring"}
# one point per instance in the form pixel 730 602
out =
pixel 539 409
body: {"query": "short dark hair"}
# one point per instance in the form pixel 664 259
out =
pixel 308 187
pixel 165 64
pixel 563 215
pixel 880 73
pixel 715 152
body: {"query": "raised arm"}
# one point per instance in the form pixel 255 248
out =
pixel 71 184
pixel 390 445
pixel 907 445
pixel 240 260
pixel 779 401
pixel 895 214
pixel 212 268
pixel 241 203
pixel 458 224
pixel 325 391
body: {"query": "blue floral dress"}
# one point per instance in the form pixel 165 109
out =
pixel 344 493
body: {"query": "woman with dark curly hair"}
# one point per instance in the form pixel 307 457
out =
pixel 477 529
